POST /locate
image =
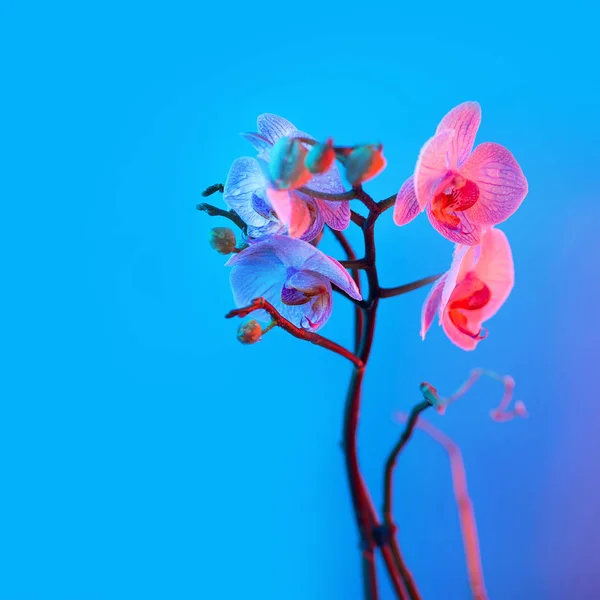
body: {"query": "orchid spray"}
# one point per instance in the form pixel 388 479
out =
pixel 283 198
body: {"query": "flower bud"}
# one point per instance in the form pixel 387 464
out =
pixel 222 239
pixel 320 157
pixel 286 168
pixel 431 395
pixel 364 163
pixel 249 332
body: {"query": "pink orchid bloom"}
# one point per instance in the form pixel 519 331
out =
pixel 472 291
pixel 294 276
pixel 463 190
pixel 272 128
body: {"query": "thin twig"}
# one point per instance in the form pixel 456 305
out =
pixel 303 334
pixel 342 197
pixel 408 287
pixel 387 203
pixel 358 313
pixel 387 494
pixel 215 211
pixel 213 189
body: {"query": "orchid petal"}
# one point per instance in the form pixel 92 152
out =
pixel 458 338
pixel 261 144
pixel 466 233
pixel 431 305
pixel 273 127
pixel 502 185
pixel 496 269
pixel 464 119
pixel 433 165
pixel 245 178
pixel 406 207
pixel 257 272
pixel 460 264
pixel 303 256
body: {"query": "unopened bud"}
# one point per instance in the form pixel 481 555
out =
pixel 520 409
pixel 222 239
pixel 431 395
pixel 249 332
pixel 364 163
pixel 320 157
pixel 286 168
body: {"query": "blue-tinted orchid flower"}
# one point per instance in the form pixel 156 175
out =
pixel 294 276
pixel 272 128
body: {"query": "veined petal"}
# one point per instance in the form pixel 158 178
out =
pixel 496 269
pixel 431 305
pixel 303 256
pixel 257 272
pixel 335 214
pixel 502 185
pixel 464 119
pixel 273 127
pixel 245 178
pixel 261 144
pixel 316 218
pixel 406 207
pixel 433 165
pixel 466 232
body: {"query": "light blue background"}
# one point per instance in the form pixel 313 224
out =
pixel 144 452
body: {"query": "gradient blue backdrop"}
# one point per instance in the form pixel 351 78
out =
pixel 144 453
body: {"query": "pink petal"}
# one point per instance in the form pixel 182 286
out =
pixel 433 165
pixel 291 210
pixel 461 262
pixel 300 219
pixel 502 185
pixel 457 337
pixel 406 207
pixel 281 201
pixel 496 269
pixel 431 306
pixel 468 232
pixel 335 214
pixel 464 120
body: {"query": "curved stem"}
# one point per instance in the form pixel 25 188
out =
pixel 215 211
pixel 408 287
pixel 303 334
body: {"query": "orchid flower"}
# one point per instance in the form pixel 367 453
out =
pixel 462 190
pixel 473 290
pixel 248 192
pixel 291 274
pixel 272 128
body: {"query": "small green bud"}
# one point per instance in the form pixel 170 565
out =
pixel 222 239
pixel 320 157
pixel 364 163
pixel 249 332
pixel 286 168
